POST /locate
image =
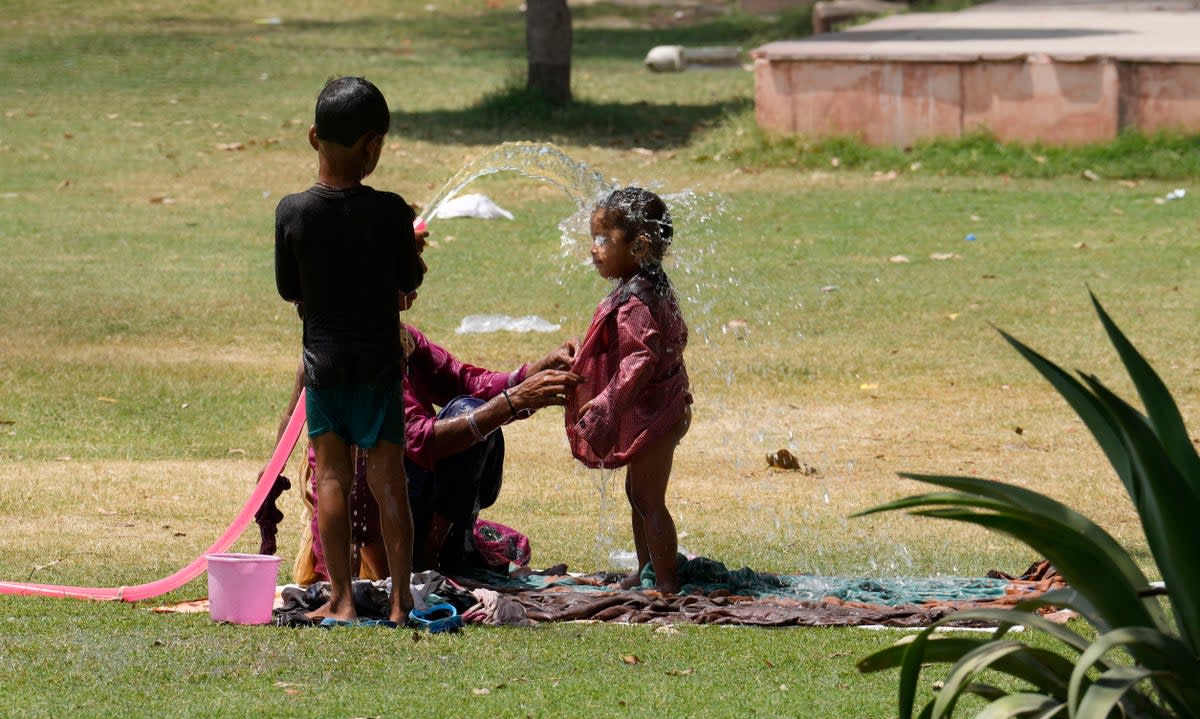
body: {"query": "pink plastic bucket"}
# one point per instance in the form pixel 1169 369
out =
pixel 241 587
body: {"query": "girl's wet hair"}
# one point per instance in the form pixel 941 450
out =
pixel 638 211
pixel 350 107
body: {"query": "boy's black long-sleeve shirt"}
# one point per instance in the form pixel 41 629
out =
pixel 345 256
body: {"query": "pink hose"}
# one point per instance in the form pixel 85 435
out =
pixel 145 591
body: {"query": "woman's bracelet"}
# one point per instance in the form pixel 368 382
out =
pixel 512 410
pixel 479 436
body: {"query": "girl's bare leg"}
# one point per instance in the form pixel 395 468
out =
pixel 389 484
pixel 654 534
pixel 335 474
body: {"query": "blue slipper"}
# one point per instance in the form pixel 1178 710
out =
pixel 332 622
pixel 437 618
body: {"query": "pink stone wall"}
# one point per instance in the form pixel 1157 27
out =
pixel 881 103
pixel 1162 96
pixel 887 102
pixel 1042 100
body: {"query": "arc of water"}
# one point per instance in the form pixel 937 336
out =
pixel 539 161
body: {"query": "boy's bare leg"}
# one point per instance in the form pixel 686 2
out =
pixel 646 485
pixel 389 484
pixel 335 474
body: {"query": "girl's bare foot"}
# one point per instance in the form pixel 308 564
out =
pixel 634 579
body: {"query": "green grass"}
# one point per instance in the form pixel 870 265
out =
pixel 146 356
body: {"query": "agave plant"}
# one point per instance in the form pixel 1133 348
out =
pixel 1140 658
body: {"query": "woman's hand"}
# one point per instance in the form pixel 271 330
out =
pixel 560 358
pixel 545 388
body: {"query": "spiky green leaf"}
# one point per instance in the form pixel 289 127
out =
pixel 1160 406
pixel 1168 511
pixel 1108 691
pixel 1084 404
pixel 1089 568
pixel 1022 704
pixel 1176 667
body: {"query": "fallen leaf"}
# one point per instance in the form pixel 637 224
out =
pixel 783 459
pixel 63 185
pixel 680 672
pixel 643 151
pixel 869 385
pixel 829 288
pixel 952 316
pixel 898 259
pixel 106 399
pixel 481 691
pixel 630 659
pixel 1081 245
pixel 1089 175
pixel 230 146
pixel 939 256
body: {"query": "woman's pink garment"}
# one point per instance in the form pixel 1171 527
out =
pixel 632 364
pixel 433 378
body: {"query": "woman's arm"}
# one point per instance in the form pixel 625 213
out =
pixel 545 388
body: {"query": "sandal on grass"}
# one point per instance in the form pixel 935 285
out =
pixel 437 618
pixel 334 622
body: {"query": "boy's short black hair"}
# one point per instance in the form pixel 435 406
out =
pixel 348 108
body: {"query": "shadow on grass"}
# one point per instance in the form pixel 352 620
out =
pixel 516 113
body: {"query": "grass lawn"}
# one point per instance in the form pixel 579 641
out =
pixel 837 310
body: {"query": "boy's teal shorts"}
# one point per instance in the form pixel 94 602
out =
pixel 361 414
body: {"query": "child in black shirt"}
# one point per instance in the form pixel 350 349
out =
pixel 345 253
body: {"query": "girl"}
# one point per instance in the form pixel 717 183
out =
pixel 633 405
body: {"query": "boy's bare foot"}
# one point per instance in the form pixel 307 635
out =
pixel 401 611
pixel 327 610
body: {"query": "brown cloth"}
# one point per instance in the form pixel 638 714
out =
pixel 557 603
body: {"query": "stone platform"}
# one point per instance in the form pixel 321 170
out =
pixel 1066 73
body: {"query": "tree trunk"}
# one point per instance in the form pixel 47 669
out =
pixel 548 41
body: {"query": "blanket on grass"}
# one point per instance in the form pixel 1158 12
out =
pixel 711 594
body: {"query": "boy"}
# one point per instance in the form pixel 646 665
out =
pixel 345 253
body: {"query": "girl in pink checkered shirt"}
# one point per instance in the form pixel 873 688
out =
pixel 634 405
